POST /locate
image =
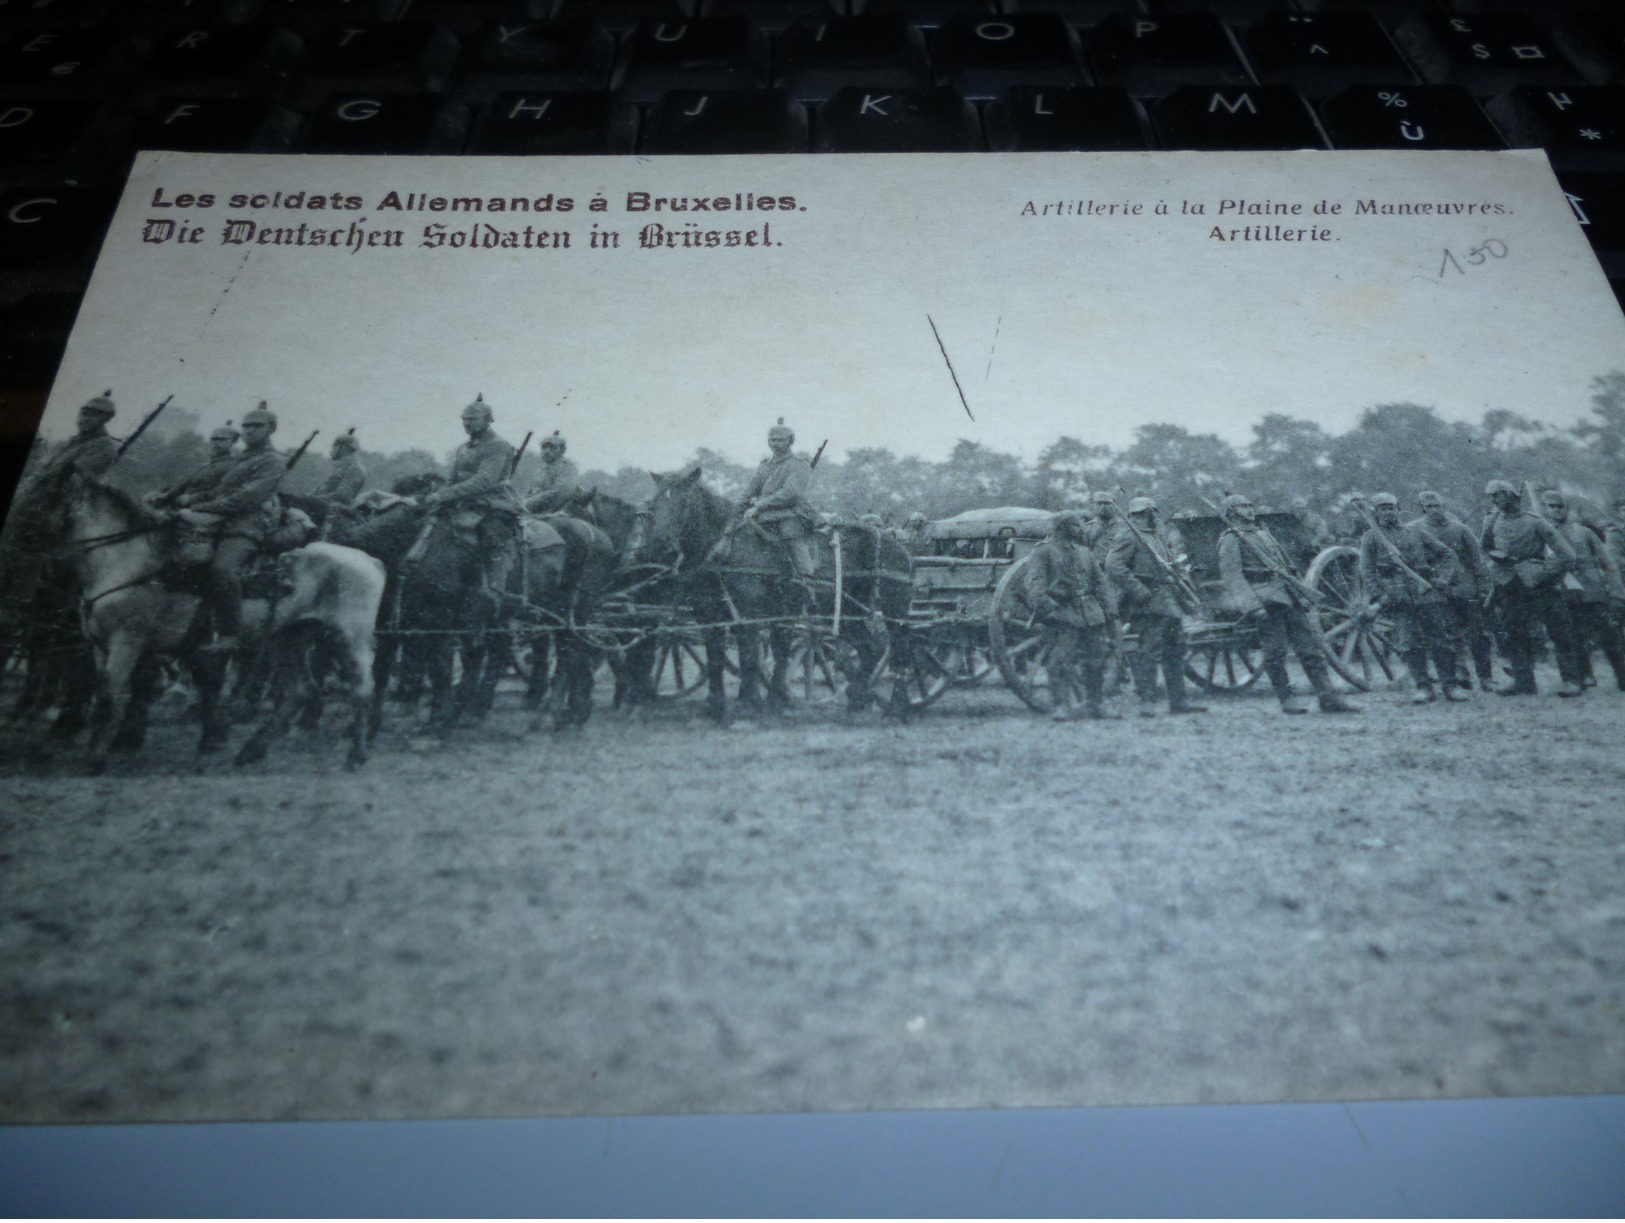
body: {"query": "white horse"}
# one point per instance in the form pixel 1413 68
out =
pixel 122 557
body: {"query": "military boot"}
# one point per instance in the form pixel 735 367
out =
pixel 1456 690
pixel 1331 702
pixel 1571 689
pixel 1185 705
pixel 1518 687
pixel 1424 695
pixel 1148 706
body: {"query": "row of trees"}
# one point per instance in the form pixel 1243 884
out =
pixel 1401 448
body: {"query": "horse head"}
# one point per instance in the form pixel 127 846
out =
pixel 682 519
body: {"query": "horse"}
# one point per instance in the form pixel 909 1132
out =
pixel 133 610
pixel 733 576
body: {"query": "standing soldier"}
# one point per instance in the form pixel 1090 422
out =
pixel 1397 564
pixel 1142 562
pixel 913 536
pixel 776 498
pixel 480 496
pixel 1526 579
pixel 1590 596
pixel 1073 605
pixel 1098 525
pixel 1462 584
pixel 239 512
pixel 203 480
pixel 1313 536
pixel 344 483
pixel 558 481
pixel 1255 576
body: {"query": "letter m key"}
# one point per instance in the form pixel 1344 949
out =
pixel 1242 100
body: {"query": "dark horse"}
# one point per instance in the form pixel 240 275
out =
pixel 748 584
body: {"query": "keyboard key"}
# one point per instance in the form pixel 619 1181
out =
pixel 1149 55
pixel 1231 12
pixel 1412 117
pixel 36 132
pixel 1579 125
pixel 983 56
pixel 814 59
pixel 1594 42
pixel 1488 54
pixel 467 17
pixel 858 120
pixel 1323 53
pixel 223 59
pixel 622 15
pixel 552 56
pixel 535 123
pixel 1253 117
pixel 926 13
pixel 69 63
pixel 209 124
pixel 49 14
pixel 716 53
pixel 1076 12
pixel 742 121
pixel 404 56
pixel 155 16
pixel 775 15
pixel 385 123
pixel 1598 201
pixel 51 225
pixel 309 16
pixel 1040 119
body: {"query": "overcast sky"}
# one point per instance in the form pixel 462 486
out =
pixel 1087 326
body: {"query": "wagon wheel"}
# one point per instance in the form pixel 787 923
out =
pixel 966 660
pixel 1015 643
pixel 1359 645
pixel 679 664
pixel 815 664
pixel 1225 665
pixel 918 671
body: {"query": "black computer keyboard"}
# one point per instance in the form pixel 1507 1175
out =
pixel 83 83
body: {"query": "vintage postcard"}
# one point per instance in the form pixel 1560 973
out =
pixel 494 637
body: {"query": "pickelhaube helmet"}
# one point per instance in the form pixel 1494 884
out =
pixel 1103 498
pixel 1236 501
pixel 260 415
pixel 1141 505
pixel 781 430
pixel 1427 497
pixel 555 441
pixel 1499 486
pixel 1555 496
pixel 227 432
pixel 102 403
pixel 916 519
pixel 1300 504
pixel 479 407
pixel 1381 499
pixel 346 441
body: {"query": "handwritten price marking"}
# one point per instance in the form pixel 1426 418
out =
pixel 1490 248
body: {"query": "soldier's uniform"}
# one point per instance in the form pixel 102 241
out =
pixel 1146 599
pixel 481 498
pixel 557 482
pixel 1528 559
pixel 913 535
pixel 1416 608
pixel 244 505
pixel 1313 537
pixel 1591 595
pixel 1099 520
pixel 1073 604
pixel 203 480
pixel 777 495
pixel 88 453
pixel 1252 589
pixel 347 477
pixel 1464 582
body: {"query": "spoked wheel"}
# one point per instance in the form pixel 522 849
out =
pixel 815 664
pixel 917 671
pixel 679 664
pixel 1224 665
pixel 967 662
pixel 1017 645
pixel 1359 644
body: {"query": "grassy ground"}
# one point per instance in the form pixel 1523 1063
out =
pixel 982 908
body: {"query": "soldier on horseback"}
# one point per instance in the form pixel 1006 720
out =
pixel 344 482
pixel 776 499
pixel 236 516
pixel 205 479
pixel 558 482
pixel 89 452
pixel 479 494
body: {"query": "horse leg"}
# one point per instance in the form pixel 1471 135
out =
pixel 131 733
pixel 750 668
pixel 541 655
pixel 778 684
pixel 355 665
pixel 290 673
pixel 208 673
pixel 321 661
pixel 438 668
pixel 123 655
pixel 76 681
pixel 382 665
pixel 716 667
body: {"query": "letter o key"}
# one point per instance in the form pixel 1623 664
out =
pixel 995 31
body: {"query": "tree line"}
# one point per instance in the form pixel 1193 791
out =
pixel 1396 447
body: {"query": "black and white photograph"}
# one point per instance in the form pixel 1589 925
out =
pixel 484 639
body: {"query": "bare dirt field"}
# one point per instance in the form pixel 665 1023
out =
pixel 978 909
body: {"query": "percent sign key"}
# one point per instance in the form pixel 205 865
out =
pixel 1420 117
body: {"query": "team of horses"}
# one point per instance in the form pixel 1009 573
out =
pixel 393 599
